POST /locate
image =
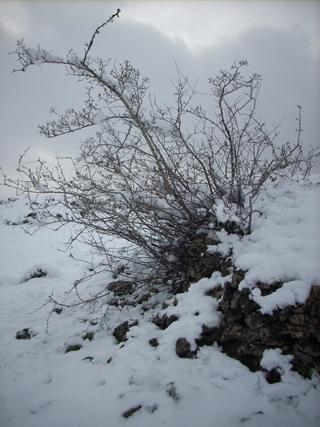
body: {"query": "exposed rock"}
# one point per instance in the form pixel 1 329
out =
pixel 273 376
pixel 120 332
pixel 88 336
pixel 120 288
pixel 268 288
pixel 196 258
pixel 216 292
pixel 199 262
pixel 209 335
pixel 89 358
pixel 245 332
pixel 131 411
pixel 32 215
pixel 164 321
pixel 237 277
pixel 73 347
pixel 36 274
pixel 183 349
pixel 24 334
pixel 154 342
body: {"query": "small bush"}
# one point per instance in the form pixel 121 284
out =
pixel 158 176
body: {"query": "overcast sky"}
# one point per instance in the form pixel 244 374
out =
pixel 281 41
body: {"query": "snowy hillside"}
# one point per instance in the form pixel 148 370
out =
pixel 74 372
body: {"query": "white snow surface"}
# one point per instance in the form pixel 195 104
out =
pixel 274 359
pixel 41 385
pixel 284 244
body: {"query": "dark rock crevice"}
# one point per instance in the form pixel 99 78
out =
pixel 245 332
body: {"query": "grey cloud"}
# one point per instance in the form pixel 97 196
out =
pixel 290 75
pixel 283 57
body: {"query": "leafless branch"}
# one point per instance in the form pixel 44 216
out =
pixel 154 175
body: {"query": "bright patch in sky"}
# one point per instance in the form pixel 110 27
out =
pixel 203 24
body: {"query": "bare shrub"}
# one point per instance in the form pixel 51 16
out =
pixel 153 175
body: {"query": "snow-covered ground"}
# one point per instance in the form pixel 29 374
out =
pixel 41 385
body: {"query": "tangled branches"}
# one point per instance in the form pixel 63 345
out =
pixel 153 175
